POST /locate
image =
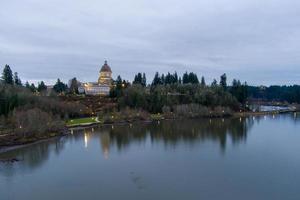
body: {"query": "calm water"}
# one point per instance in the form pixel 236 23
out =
pixel 250 158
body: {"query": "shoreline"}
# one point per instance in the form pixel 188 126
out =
pixel 7 148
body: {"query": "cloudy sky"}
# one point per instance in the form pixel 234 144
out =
pixel 257 41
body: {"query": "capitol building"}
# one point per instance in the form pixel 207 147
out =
pixel 102 87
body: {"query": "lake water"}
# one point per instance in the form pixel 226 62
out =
pixel 235 159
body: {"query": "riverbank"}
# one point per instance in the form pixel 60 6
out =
pixel 11 142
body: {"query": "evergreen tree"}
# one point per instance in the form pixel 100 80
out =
pixel 168 78
pixel 74 86
pixel 119 82
pixel 175 77
pixel 27 85
pixel 7 75
pixel 117 91
pixel 59 86
pixel 41 87
pixel 239 91
pixel 17 80
pixel 162 79
pixel 138 79
pixel 214 83
pixel 32 88
pixel 156 80
pixel 192 78
pixel 223 81
pixel 185 78
pixel 144 80
pixel 203 84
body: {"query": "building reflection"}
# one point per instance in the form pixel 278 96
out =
pixel 87 137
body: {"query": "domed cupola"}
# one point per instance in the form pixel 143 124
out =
pixel 105 75
pixel 105 68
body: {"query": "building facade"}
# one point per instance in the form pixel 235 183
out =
pixel 102 87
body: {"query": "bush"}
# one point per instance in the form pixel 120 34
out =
pixel 196 110
pixel 36 123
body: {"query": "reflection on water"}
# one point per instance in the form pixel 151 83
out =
pixel 169 132
pixel 32 157
pixel 156 141
pixel 222 131
pixel 173 132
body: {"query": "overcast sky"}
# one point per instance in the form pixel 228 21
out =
pixel 257 41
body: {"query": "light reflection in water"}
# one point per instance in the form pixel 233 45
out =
pixel 195 150
pixel 170 133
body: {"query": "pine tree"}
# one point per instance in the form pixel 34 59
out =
pixel 192 78
pixel 41 87
pixel 7 75
pixel 17 80
pixel 32 88
pixel 74 86
pixel 175 77
pixel 223 81
pixel 59 86
pixel 168 78
pixel 27 85
pixel 139 79
pixel 119 82
pixel 156 80
pixel 214 83
pixel 185 78
pixel 203 84
pixel 162 79
pixel 144 80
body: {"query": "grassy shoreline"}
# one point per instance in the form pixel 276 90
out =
pixel 11 142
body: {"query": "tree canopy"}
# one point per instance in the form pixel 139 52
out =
pixel 41 87
pixel 60 87
pixel 7 75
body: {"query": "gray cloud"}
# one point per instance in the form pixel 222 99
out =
pixel 256 41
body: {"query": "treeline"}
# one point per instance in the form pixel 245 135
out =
pixel 167 93
pixel 290 94
pixel 24 112
pixel 10 78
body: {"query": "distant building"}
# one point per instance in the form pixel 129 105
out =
pixel 102 87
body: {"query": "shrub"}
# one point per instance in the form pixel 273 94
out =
pixel 36 123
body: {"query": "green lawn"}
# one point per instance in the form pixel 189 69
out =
pixel 156 116
pixel 79 121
